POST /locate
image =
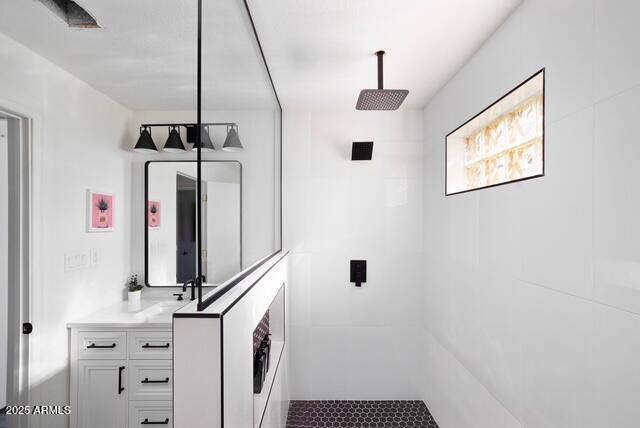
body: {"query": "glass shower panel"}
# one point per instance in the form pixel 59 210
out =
pixel 164 78
pixel 241 121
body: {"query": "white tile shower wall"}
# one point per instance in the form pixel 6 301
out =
pixel 348 342
pixel 532 288
pixel 79 141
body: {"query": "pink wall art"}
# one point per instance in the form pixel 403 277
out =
pixel 100 211
pixel 153 214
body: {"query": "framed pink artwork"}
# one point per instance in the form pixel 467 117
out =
pixel 153 214
pixel 100 209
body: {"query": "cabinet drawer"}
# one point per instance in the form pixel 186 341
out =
pixel 150 380
pixel 102 345
pixel 150 345
pixel 148 414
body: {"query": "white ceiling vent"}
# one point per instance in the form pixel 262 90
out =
pixel 71 13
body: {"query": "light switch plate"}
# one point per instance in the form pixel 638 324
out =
pixel 76 261
pixel 94 257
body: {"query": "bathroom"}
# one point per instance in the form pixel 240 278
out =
pixel 345 268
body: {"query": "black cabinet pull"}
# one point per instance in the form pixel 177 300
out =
pixel 120 387
pixel 146 380
pixel 94 346
pixel 148 422
pixel 147 346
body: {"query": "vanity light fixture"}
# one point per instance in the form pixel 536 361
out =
pixel 145 143
pixel 174 143
pixel 232 142
pixel 205 139
pixel 74 15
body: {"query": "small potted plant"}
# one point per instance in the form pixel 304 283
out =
pixel 135 291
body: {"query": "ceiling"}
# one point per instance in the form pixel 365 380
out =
pixel 144 56
pixel 321 52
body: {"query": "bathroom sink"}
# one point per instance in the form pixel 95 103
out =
pixel 170 306
pixel 160 309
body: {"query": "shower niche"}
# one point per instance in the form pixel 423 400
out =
pixel 268 344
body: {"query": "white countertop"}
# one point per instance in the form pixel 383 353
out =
pixel 151 314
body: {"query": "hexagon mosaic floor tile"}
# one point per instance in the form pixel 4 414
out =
pixel 359 414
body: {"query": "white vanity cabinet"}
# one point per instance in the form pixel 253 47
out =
pixel 121 377
pixel 100 402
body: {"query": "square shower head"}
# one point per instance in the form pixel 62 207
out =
pixel 361 150
pixel 381 99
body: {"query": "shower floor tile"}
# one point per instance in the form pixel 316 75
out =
pixel 359 414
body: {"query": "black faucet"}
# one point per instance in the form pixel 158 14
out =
pixel 193 288
pixel 179 296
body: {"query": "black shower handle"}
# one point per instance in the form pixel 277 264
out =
pixel 358 278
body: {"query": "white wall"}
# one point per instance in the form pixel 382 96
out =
pixel 80 141
pixel 532 295
pixel 4 256
pixel 257 134
pixel 348 342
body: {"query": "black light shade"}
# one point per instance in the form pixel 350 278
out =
pixel 205 138
pixel 145 143
pixel 232 142
pixel 174 143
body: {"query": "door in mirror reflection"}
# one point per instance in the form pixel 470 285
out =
pixel 171 232
pixel 185 227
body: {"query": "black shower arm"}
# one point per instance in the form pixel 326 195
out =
pixel 380 54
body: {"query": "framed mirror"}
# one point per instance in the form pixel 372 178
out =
pixel 171 235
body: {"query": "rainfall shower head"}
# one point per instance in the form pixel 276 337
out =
pixel 381 99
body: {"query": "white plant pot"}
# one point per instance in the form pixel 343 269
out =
pixel 133 298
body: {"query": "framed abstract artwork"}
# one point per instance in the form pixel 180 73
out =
pixel 100 211
pixel 504 143
pixel 154 214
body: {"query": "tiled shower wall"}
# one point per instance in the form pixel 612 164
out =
pixel 532 295
pixel 348 342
